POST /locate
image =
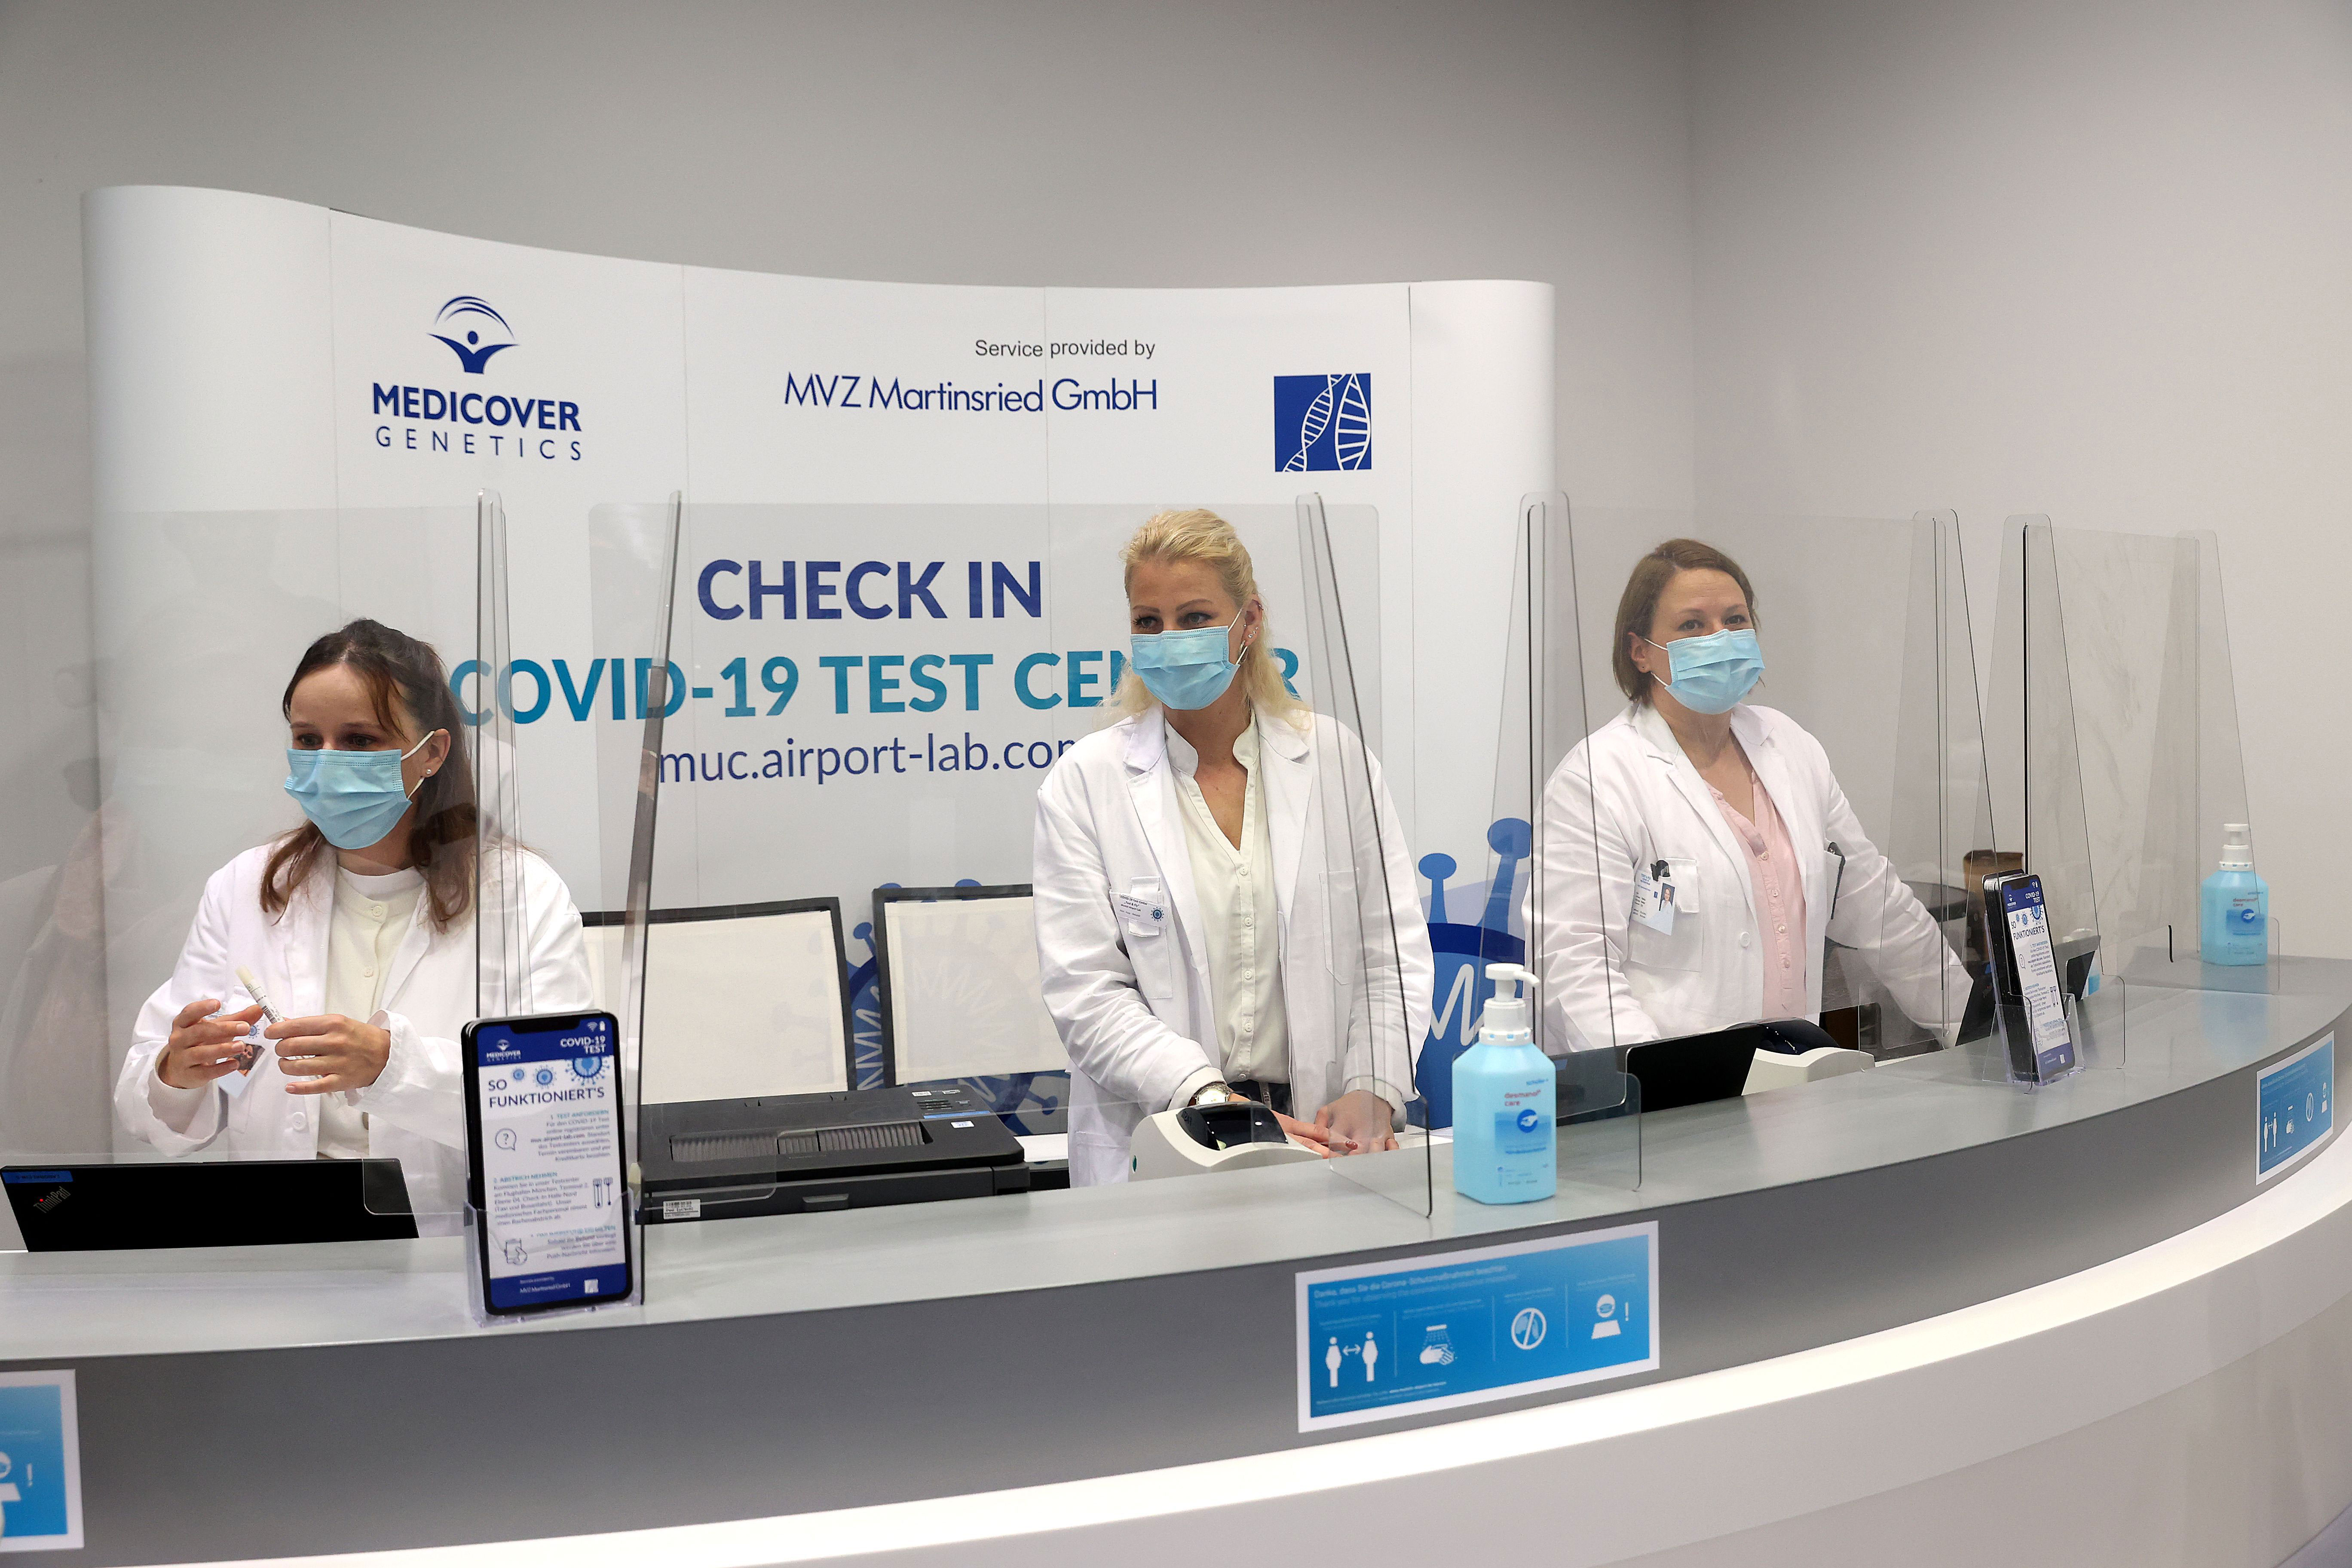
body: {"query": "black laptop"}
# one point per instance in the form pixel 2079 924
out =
pixel 113 1206
pixel 1695 1068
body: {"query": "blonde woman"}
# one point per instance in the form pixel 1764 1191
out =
pixel 1186 907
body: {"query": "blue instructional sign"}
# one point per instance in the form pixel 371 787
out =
pixel 40 1463
pixel 554 1227
pixel 1382 1339
pixel 2294 1109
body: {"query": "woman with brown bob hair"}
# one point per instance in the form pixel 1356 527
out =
pixel 359 926
pixel 1726 854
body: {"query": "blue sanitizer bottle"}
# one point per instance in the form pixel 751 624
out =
pixel 1504 1095
pixel 2233 924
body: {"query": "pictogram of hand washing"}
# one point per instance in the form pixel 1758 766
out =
pixel 1436 1349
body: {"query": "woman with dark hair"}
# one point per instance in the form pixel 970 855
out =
pixel 1695 852
pixel 359 926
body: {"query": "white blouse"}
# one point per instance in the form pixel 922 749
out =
pixel 370 919
pixel 1235 888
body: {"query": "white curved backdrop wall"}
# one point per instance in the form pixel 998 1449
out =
pixel 258 359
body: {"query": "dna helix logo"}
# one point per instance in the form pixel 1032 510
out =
pixel 1322 422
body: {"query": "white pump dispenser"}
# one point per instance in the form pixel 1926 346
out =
pixel 1508 1019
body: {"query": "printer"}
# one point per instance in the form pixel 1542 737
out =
pixel 805 1154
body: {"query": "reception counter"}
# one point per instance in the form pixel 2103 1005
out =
pixel 1867 1286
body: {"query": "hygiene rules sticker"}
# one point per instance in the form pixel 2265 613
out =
pixel 40 1463
pixel 2294 1108
pixel 1382 1339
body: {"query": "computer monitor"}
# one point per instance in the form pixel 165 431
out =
pixel 959 982
pixel 741 1000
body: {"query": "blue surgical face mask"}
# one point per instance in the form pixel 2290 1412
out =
pixel 1714 673
pixel 353 797
pixel 1185 669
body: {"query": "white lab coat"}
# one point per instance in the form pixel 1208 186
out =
pixel 1627 797
pixel 1119 939
pixel 415 1107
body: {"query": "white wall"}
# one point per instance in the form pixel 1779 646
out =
pixel 2088 258
pixel 1837 256
pixel 1058 142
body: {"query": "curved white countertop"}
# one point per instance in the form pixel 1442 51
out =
pixel 76 1305
pixel 1615 1475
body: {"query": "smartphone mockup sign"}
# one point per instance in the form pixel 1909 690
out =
pixel 546 1130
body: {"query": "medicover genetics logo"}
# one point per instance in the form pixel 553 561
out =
pixel 1322 422
pixel 484 330
pixel 520 425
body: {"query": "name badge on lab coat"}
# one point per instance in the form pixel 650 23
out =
pixel 1145 911
pixel 1653 900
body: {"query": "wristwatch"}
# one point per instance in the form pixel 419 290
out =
pixel 1216 1094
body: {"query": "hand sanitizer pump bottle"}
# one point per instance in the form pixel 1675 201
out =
pixel 2233 924
pixel 1503 1093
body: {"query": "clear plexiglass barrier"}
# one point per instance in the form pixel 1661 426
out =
pixel 237 831
pixel 1367 1018
pixel 2113 675
pixel 1544 873
pixel 905 884
pixel 920 895
pixel 1760 798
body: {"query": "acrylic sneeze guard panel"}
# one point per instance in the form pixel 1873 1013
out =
pixel 804 724
pixel 632 552
pixel 1863 733
pixel 190 682
pixel 2115 674
pixel 1546 888
pixel 1377 962
pixel 504 983
pixel 785 743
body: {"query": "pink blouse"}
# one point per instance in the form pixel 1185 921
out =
pixel 1780 887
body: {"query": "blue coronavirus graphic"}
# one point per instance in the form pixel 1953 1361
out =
pixel 1462 953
